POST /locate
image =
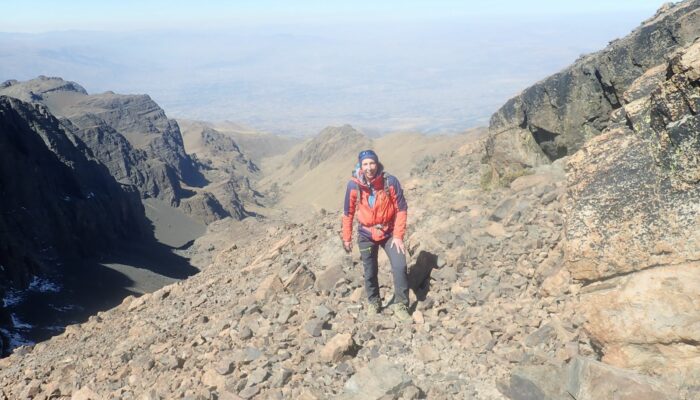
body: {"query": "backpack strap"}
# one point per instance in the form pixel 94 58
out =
pixel 386 185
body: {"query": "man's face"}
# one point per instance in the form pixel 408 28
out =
pixel 369 168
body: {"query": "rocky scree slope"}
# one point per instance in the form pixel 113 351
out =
pixel 131 135
pixel 556 116
pixel 281 316
pixel 279 313
pixel 58 202
pixel 519 291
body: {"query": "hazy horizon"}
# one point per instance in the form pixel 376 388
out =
pixel 435 73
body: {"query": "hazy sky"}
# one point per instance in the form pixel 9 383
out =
pixel 44 15
pixel 297 66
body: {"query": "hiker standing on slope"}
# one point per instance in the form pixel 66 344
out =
pixel 377 199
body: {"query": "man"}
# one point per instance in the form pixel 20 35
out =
pixel 377 200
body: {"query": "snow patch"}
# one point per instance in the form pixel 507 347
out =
pixel 12 298
pixel 68 307
pixel 19 324
pixel 43 285
pixel 55 328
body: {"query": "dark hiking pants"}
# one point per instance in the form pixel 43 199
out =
pixel 369 251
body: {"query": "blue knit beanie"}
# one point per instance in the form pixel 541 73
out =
pixel 365 154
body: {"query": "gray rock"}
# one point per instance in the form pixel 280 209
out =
pixel 536 382
pixel 258 376
pixel 249 392
pixel 323 312
pixel 412 393
pixel 590 379
pixel 250 354
pixel 379 378
pixel 314 327
pixel 245 333
pixel 554 117
pixel 503 209
pixel 300 280
pixel 225 367
pixel 284 314
pixel 447 274
pixel 544 334
pixel 327 279
pixel 172 362
pixel 280 377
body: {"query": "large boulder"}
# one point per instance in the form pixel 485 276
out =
pixel 650 321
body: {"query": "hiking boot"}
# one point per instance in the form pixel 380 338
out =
pixel 372 308
pixel 401 312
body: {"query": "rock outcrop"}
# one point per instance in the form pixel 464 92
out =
pixel 58 202
pixel 558 115
pixel 634 226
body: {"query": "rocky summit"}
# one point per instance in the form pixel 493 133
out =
pixel 546 261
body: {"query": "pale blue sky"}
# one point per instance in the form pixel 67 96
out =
pixel 125 15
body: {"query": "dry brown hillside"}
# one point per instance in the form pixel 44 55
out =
pixel 314 174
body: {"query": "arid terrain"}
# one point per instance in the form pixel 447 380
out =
pixel 553 255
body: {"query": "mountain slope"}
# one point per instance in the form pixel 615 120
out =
pixel 314 174
pixel 576 278
pixel 255 145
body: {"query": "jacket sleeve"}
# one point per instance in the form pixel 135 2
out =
pixel 349 210
pixel 401 210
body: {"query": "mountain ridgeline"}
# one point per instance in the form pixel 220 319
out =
pixel 131 135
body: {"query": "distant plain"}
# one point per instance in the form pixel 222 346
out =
pixel 441 76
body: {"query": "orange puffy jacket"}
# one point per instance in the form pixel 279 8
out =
pixel 387 217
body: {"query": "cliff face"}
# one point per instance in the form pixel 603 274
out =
pixel 556 116
pixel 57 202
pixel 130 134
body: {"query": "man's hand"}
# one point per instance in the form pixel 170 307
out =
pixel 347 246
pixel 399 245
